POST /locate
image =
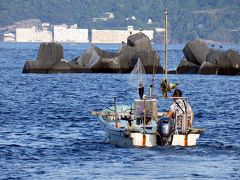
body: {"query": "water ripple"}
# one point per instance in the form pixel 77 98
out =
pixel 47 131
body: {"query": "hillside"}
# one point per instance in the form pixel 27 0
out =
pixel 216 20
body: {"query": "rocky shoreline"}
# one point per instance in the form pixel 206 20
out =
pixel 50 59
pixel 199 59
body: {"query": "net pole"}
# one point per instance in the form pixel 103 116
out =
pixel 115 110
pixel 166 46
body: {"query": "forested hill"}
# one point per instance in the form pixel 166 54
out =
pixel 217 20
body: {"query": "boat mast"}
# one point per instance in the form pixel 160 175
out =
pixel 166 43
pixel 153 76
pixel 115 110
pixel 166 46
pixel 144 120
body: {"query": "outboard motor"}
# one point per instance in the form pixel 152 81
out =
pixel 165 128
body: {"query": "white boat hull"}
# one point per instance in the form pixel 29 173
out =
pixel 185 140
pixel 122 137
pixel 136 139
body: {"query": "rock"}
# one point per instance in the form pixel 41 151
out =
pixel 49 55
pixel 196 51
pixel 211 61
pixel 91 58
pixel 227 62
pixel 119 64
pixel 50 58
pixel 172 72
pixel 140 42
pixel 234 58
pixel 186 67
pixel 74 61
pixel 213 55
pixel 208 68
pixel 62 66
pixel 129 52
pixel 106 54
pixel 33 67
pixel 75 68
pixel 149 59
pixel 139 46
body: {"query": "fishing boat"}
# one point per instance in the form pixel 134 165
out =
pixel 141 123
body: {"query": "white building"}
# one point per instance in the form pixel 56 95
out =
pixel 33 35
pixel 9 37
pixel 74 35
pixel 45 26
pixel 159 30
pixel 149 21
pixel 104 17
pixel 116 36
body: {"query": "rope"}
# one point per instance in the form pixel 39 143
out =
pixel 109 108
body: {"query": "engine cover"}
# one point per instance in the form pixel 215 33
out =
pixel 165 126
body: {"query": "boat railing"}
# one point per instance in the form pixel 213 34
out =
pixel 163 97
pixel 183 121
pixel 146 110
pixel 152 106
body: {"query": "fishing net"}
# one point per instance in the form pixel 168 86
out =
pixel 138 75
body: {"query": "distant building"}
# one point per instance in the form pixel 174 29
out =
pixel 133 18
pixel 9 37
pixel 116 36
pixel 70 35
pixel 104 17
pixel 33 35
pixel 149 21
pixel 159 30
pixel 45 26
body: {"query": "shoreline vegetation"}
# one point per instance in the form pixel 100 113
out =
pixel 212 20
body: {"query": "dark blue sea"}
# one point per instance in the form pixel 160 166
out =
pixel 47 132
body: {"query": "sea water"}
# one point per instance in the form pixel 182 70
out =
pixel 47 132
